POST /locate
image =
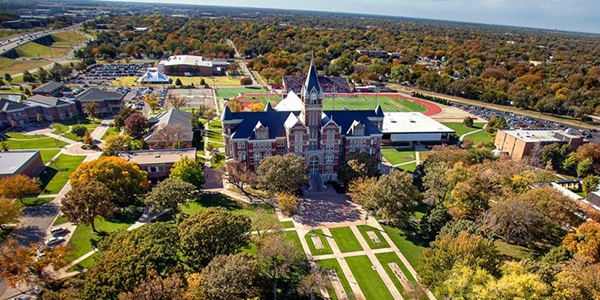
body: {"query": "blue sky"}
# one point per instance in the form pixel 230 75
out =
pixel 571 15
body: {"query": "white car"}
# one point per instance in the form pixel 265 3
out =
pixel 52 242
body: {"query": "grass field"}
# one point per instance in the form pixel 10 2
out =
pixel 293 236
pixel 345 239
pixel 398 156
pixel 388 104
pixel 313 250
pixel 481 136
pixel 56 175
pixel 63 43
pixel 42 143
pixel 368 279
pixel 287 224
pixel 13 66
pixel 48 154
pixel 461 129
pixel 60 220
pixel 382 242
pixel 332 264
pixel 220 200
pixel 36 201
pixel 234 92
pixel 22 136
pixel 5 231
pixel 409 246
pixel 411 167
pixel 384 259
pixel 514 251
pixel 83 240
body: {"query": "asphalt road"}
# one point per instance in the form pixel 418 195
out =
pixel 35 221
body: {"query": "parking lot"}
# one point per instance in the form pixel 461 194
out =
pixel 521 121
pixel 105 74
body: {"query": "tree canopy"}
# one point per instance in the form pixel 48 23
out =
pixel 282 173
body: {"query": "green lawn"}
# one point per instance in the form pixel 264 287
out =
pixel 382 242
pixel 43 143
pixel 234 92
pixel 388 104
pixel 220 200
pixel 398 156
pixel 5 231
pixel 110 132
pixel 481 136
pixel 83 240
pixel 411 167
pixel 368 279
pixel 332 264
pixel 514 251
pixel 293 236
pixel 345 239
pixel 287 224
pixel 48 154
pixel 84 264
pixel 36 201
pixel 60 220
pixel 22 136
pixel 13 66
pixel 410 246
pixel 461 129
pixel 64 42
pixel 57 173
pixel 313 250
pixel 390 257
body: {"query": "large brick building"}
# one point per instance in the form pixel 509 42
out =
pixel 518 143
pixel 323 138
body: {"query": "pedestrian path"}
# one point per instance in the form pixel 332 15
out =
pixel 468 133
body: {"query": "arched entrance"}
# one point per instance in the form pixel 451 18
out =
pixel 313 165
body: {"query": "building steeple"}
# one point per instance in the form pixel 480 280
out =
pixel 311 84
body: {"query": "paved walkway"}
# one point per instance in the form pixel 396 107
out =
pixel 468 133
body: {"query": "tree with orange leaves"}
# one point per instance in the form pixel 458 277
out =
pixel 18 186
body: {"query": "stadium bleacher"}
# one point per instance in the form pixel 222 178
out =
pixel 328 84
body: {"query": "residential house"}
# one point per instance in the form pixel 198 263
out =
pixel 157 163
pixel 170 129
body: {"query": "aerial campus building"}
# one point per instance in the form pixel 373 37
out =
pixel 191 65
pixel 323 138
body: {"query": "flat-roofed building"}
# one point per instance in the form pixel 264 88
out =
pixel 413 127
pixel 191 65
pixel 157 163
pixel 21 162
pixel 518 143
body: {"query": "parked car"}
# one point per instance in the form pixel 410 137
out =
pixel 58 231
pixel 55 241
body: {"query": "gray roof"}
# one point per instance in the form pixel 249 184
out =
pixel 11 162
pixel 39 100
pixel 8 106
pixel 49 87
pixel 171 117
pixel 96 94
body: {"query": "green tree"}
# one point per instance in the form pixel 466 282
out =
pixel 178 82
pixel 356 165
pixel 468 122
pixel 516 220
pixel 8 78
pixel 120 118
pixel 18 186
pixel 127 257
pixel 231 277
pixel 277 257
pixel 28 77
pixel 238 175
pixel 86 201
pixel 210 232
pixel 169 194
pixel 10 211
pixel 124 179
pixel 91 109
pixel 282 173
pixel 585 167
pixel 396 196
pixel 590 184
pixel 79 130
pixel 433 221
pixel 156 287
pixel 466 249
pixel 501 123
pixel 188 170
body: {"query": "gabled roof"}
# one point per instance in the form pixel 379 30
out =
pixel 345 118
pixel 275 120
pixel 226 114
pixel 96 94
pixel 312 81
pixel 268 107
pixel 49 87
pixel 291 103
pixel 8 106
pixel 291 121
pixel 39 100
pixel 175 116
pixel 379 111
pixel 171 117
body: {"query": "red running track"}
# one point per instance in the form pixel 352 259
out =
pixel 432 108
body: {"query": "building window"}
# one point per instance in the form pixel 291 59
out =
pixel 241 145
pixel 329 158
pixel 257 158
pixel 280 143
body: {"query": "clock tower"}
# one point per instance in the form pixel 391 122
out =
pixel 312 108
